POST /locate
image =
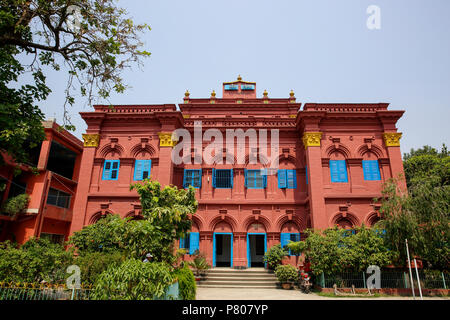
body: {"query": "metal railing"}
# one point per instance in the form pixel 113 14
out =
pixel 389 279
pixel 32 291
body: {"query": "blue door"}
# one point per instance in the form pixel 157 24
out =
pixel 249 249
pixel 222 241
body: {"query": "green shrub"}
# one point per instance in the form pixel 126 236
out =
pixel 199 264
pixel 286 273
pixel 186 283
pixel 16 204
pixel 92 264
pixel 35 261
pixel 274 256
pixel 133 280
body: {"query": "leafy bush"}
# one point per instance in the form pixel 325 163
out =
pixel 92 264
pixel 274 256
pixel 199 264
pixel 16 204
pixel 35 261
pixel 133 280
pixel 186 283
pixel 286 273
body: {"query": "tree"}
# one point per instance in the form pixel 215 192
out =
pixel 93 39
pixel 335 250
pixel 422 217
pixel 165 220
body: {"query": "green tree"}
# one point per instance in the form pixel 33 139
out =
pixel 335 250
pixel 94 40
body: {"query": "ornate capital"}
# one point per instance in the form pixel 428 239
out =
pixel 165 139
pixel 91 140
pixel 312 139
pixel 392 139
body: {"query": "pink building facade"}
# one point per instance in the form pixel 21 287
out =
pixel 333 160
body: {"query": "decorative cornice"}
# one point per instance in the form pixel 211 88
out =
pixel 91 140
pixel 165 139
pixel 392 139
pixel 311 139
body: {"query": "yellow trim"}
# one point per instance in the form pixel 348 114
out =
pixel 186 116
pixel 165 139
pixel 392 139
pixel 91 140
pixel 237 81
pixel 312 139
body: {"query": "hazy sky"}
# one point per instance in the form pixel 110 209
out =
pixel 321 49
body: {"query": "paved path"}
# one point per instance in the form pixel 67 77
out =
pixel 278 294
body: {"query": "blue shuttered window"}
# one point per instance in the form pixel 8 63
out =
pixel 286 237
pixel 306 174
pixel 111 170
pixel 338 171
pixel 371 170
pixel 255 179
pixel 142 169
pixel 191 242
pixel 223 178
pixel 192 177
pixel 231 87
pixel 287 179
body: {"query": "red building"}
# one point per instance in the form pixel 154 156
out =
pixel 333 159
pixel 51 188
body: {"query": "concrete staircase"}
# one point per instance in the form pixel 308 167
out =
pixel 257 278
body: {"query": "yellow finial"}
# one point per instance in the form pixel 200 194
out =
pixel 292 93
pixel 265 93
pixel 187 93
pixel 239 78
pixel 213 94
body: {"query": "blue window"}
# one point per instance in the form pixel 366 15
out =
pixel 142 169
pixel 338 171
pixel 222 178
pixel 247 87
pixel 286 237
pixel 191 242
pixel 371 170
pixel 111 170
pixel 192 177
pixel 231 87
pixel 255 179
pixel 287 179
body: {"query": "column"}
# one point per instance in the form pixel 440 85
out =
pixel 392 143
pixel 165 167
pixel 91 142
pixel 311 141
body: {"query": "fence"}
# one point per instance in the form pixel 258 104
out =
pixel 31 291
pixel 389 279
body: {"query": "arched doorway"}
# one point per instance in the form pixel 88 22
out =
pixel 223 245
pixel 256 244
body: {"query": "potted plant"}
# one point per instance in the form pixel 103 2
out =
pixel 199 265
pixel 286 275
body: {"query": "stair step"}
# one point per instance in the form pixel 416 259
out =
pixel 273 286
pixel 243 279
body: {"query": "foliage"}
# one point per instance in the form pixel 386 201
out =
pixel 335 250
pixel 422 217
pixel 95 43
pixel 186 283
pixel 286 273
pixel 199 264
pixel 16 204
pixel 35 261
pixel 167 208
pixel 274 256
pixel 92 264
pixel 427 164
pixel 133 280
pixel 165 220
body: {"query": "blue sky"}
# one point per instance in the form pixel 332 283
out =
pixel 321 49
